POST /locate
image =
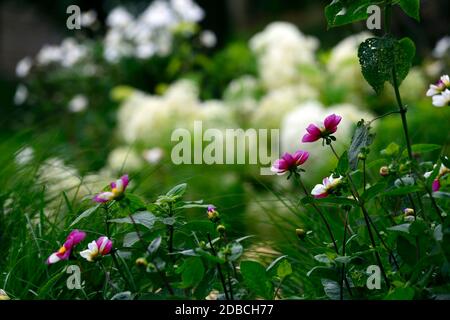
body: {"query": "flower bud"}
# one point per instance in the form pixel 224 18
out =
pixel 212 213
pixel 301 234
pixel 384 171
pixel 141 262
pixel 408 212
pixel 221 228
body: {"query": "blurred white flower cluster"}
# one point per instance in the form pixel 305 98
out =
pixel 282 52
pixel 151 33
pixel 146 122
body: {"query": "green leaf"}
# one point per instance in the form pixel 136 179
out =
pixel 401 294
pixel 130 239
pixel 342 12
pixel 232 251
pixel 336 200
pixel 406 250
pixel 418 228
pixel 400 228
pixel 178 190
pixel 126 295
pixel 374 191
pixel 323 258
pixel 154 245
pixel 342 166
pixel 192 272
pixel 322 272
pixel 402 191
pixel 255 278
pixel 331 288
pixel 84 215
pixel 411 8
pixel 144 218
pixel 284 269
pixel 378 57
pixel 362 138
pixel 271 269
pixel 404 55
pixel 422 148
pixel 391 150
pixel 135 203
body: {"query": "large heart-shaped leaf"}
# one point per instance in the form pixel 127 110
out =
pixel 379 56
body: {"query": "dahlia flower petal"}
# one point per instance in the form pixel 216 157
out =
pixel 436 185
pixel 104 197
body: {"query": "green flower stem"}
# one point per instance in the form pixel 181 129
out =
pixel 344 240
pixel 219 269
pixel 142 241
pixel 230 287
pixel 113 252
pixel 322 216
pixel 366 215
pixel 170 230
pixel 403 110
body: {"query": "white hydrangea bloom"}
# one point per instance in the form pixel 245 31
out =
pixel 208 39
pixel 151 119
pixel 119 17
pixel 78 103
pixel 282 50
pixel 88 18
pixel 442 48
pixel 23 67
pixel 21 95
pixel 188 10
pixel 274 106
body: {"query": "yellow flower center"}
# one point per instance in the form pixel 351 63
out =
pixel 115 192
pixel 62 250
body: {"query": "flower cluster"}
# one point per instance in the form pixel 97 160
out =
pixel 151 33
pixel 291 162
pixel 101 247
pixel 440 92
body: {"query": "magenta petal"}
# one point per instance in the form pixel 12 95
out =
pixel 105 243
pixel 310 138
pixel 436 185
pixel 281 164
pixel 99 199
pixel 65 255
pixel 125 180
pixel 69 243
pixel 77 236
pixel 331 122
pixel 320 196
pixel 113 185
pixel 107 248
pixel 301 157
pixel 314 130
